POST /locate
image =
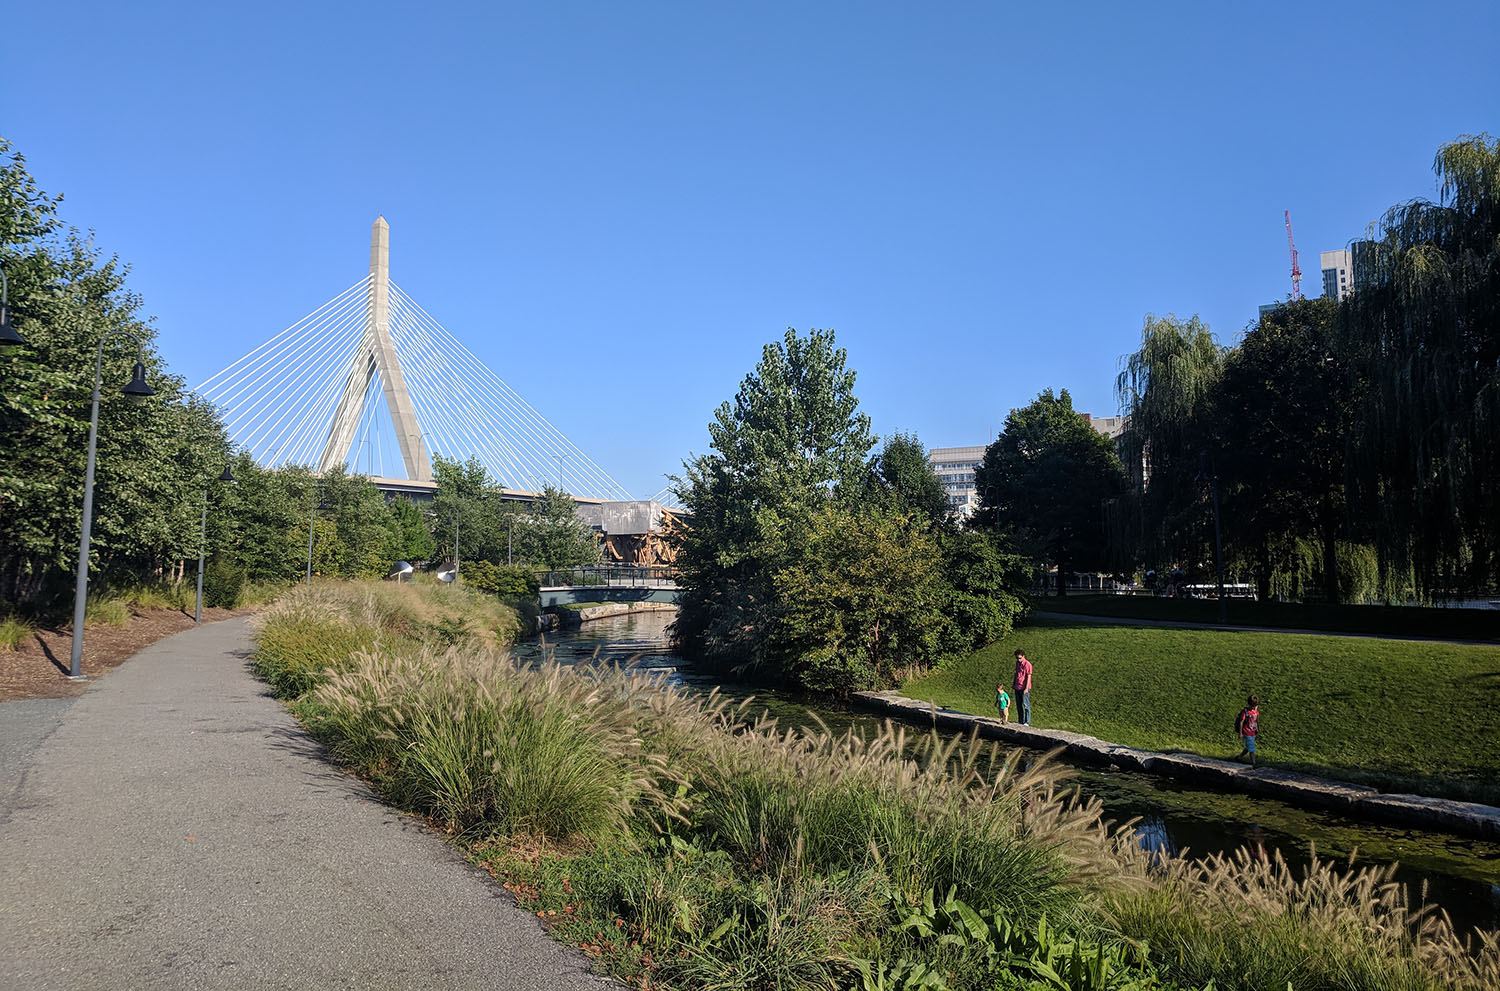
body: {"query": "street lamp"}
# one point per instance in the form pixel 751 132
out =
pixel 8 333
pixel 136 389
pixel 226 478
pixel 317 504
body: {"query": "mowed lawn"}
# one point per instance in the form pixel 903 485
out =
pixel 1396 714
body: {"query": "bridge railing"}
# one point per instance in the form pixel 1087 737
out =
pixel 611 575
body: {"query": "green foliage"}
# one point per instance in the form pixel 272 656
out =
pixel 693 849
pixel 909 478
pixel 792 440
pixel 508 582
pixel 223 583
pixel 1419 335
pixel 862 599
pixel 13 633
pixel 411 540
pixel 550 534
pixel 807 566
pixel 1167 388
pixel 154 458
pixel 1284 407
pixel 107 610
pixel 1045 479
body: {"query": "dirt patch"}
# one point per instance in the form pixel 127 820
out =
pixel 38 668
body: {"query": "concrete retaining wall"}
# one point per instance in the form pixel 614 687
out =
pixel 577 617
pixel 1359 801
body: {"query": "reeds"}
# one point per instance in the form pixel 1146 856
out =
pixel 732 853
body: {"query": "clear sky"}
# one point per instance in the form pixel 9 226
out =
pixel 616 205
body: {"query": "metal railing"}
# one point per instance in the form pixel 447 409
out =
pixel 610 576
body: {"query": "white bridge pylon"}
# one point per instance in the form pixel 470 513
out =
pixel 372 369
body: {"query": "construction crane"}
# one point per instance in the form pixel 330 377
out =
pixel 1291 246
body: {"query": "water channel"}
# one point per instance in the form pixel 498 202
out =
pixel 1462 876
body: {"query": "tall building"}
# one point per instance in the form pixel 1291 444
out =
pixel 1338 273
pixel 955 469
pixel 1110 426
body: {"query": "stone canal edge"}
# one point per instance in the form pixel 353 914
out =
pixel 1357 801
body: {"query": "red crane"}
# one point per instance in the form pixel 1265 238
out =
pixel 1292 247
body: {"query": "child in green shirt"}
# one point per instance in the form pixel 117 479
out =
pixel 1002 702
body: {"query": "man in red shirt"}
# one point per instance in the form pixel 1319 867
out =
pixel 1023 688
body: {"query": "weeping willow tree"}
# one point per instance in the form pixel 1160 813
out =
pixel 1168 389
pixel 1422 332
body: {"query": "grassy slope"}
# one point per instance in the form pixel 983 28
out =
pixel 1408 621
pixel 1385 712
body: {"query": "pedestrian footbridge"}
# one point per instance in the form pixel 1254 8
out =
pixel 607 583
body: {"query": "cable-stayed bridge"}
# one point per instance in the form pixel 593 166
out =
pixel 370 379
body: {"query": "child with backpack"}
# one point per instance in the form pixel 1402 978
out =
pixel 1247 724
pixel 1002 702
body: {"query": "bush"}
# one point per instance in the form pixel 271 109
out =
pixel 506 581
pixel 223 582
pixel 107 610
pixel 13 632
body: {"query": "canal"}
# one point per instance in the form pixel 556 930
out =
pixel 1461 876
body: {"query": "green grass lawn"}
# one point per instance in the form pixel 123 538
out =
pixel 1408 621
pixel 1404 715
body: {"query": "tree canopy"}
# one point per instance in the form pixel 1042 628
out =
pixel 1046 479
pixel 810 564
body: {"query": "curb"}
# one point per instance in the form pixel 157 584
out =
pixel 1360 801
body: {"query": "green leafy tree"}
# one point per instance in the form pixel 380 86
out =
pixel 1283 409
pixel 862 602
pixel 1047 477
pixel 907 476
pixel 792 440
pixel 1420 333
pixel 155 458
pixel 1168 388
pixel 412 540
pixel 551 535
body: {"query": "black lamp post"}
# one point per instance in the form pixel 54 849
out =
pixel 8 333
pixel 317 504
pixel 227 478
pixel 136 389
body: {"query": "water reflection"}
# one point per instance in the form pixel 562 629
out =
pixel 1462 876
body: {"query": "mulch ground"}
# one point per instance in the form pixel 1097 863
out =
pixel 38 668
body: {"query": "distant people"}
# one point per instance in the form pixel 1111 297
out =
pixel 1023 688
pixel 1247 724
pixel 1002 703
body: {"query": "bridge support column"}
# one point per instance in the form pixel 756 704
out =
pixel 376 354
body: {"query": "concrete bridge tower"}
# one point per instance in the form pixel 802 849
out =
pixel 377 354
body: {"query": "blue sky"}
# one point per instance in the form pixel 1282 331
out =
pixel 616 205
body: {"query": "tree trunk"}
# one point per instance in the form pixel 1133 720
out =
pixel 1330 559
pixel 1062 580
pixel 1263 573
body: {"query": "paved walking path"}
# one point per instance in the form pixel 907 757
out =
pixel 1184 625
pixel 174 828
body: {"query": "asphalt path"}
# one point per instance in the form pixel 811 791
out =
pixel 173 827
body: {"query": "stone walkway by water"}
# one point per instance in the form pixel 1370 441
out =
pixel 174 828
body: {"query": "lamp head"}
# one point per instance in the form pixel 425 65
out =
pixel 228 476
pixel 138 387
pixel 8 333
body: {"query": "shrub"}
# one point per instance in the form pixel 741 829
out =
pixel 506 581
pixel 223 582
pixel 107 610
pixel 13 632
